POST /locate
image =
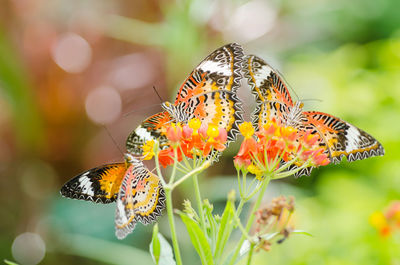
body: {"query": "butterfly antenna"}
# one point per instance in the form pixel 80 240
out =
pixel 311 99
pixel 155 90
pixel 136 110
pixel 112 138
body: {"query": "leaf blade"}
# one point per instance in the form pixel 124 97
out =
pixel 198 239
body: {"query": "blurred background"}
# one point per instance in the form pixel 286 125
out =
pixel 72 70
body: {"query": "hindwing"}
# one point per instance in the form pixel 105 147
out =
pixel 343 139
pixel 141 198
pixel 100 184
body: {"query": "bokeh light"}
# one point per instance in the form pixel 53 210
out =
pixel 28 248
pixel 103 105
pixel 72 53
pixel 37 176
pixel 251 21
pixel 132 71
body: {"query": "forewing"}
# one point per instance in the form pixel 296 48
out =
pixel 150 129
pixel 266 85
pixel 221 70
pixel 100 184
pixel 343 139
pixel 141 198
pixel 209 93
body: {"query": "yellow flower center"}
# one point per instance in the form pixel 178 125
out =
pixel 194 124
pixel 246 129
pixel 286 131
pixel 253 169
pixel 148 150
pixel 212 131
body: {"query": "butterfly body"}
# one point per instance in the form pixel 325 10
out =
pixel 338 138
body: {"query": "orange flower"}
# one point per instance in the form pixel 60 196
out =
pixel 192 139
pixel 166 156
pixel 275 145
pixel 217 139
pixel 174 132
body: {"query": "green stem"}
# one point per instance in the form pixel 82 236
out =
pixel 171 180
pixel 240 206
pixel 163 182
pixel 168 195
pixel 240 184
pixel 250 254
pixel 240 226
pixel 191 173
pixel 199 203
pixel 251 219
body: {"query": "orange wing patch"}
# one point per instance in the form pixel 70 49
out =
pixel 100 184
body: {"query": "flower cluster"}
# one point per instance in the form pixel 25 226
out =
pixel 274 221
pixel 386 223
pixel 194 139
pixel 276 147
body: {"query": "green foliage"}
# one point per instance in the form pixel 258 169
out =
pixel 225 227
pixel 10 262
pixel 160 249
pixel 155 246
pixel 198 238
pixel 15 87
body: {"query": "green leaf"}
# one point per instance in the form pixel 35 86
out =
pixel 198 239
pixel 160 249
pixel 212 228
pixel 10 262
pixel 155 245
pixel 225 227
pixel 301 232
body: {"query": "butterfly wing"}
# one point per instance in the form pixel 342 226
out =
pixel 209 93
pixel 150 129
pixel 343 139
pixel 141 198
pixel 267 86
pixel 338 137
pixel 100 184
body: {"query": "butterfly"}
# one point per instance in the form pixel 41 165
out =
pixel 138 193
pixel 339 138
pixel 209 93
